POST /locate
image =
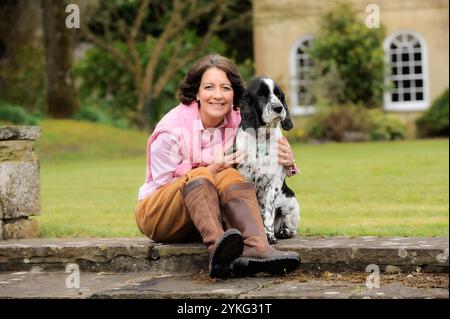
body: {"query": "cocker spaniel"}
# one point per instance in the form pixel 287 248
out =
pixel 264 112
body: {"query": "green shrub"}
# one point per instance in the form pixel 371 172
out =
pixel 385 127
pixel 348 60
pixel 21 77
pixel 16 115
pixel 96 115
pixel 296 135
pixel 434 122
pixel 339 122
pixel 354 123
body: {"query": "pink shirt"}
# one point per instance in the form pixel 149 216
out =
pixel 180 143
pixel 163 148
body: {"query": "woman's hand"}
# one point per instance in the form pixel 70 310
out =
pixel 285 155
pixel 223 161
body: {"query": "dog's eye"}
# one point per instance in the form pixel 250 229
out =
pixel 278 93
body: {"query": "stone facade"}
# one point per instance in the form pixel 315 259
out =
pixel 19 182
pixel 280 25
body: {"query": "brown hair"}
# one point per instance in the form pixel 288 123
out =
pixel 188 88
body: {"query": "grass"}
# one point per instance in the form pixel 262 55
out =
pixel 90 176
pixel 384 188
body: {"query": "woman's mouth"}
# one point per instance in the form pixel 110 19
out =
pixel 217 105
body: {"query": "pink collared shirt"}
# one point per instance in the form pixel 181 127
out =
pixel 165 154
pixel 173 148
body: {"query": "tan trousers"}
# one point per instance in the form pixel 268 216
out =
pixel 163 217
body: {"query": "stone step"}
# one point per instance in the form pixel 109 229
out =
pixel 150 285
pixel 335 254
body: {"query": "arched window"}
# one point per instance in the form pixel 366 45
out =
pixel 405 52
pixel 300 66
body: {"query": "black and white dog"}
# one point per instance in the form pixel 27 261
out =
pixel 263 110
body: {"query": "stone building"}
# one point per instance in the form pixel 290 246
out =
pixel 416 45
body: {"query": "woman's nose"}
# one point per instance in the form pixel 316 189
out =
pixel 217 93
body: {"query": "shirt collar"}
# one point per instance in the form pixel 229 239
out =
pixel 223 124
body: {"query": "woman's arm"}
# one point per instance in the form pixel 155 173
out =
pixel 286 157
pixel 165 157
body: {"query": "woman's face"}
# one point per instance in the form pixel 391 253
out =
pixel 215 95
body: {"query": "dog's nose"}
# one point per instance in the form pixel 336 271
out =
pixel 278 109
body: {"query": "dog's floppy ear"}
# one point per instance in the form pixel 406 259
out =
pixel 286 124
pixel 248 112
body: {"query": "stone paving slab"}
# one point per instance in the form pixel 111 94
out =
pixel 338 254
pixel 149 285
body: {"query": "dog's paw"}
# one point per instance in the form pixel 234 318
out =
pixel 272 240
pixel 286 233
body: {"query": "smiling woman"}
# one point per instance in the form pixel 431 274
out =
pixel 215 97
pixel 185 199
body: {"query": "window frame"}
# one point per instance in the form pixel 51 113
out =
pixel 406 106
pixel 296 108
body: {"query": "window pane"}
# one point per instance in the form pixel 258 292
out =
pixel 419 96
pixel 406 84
pixel 393 46
pixel 394 57
pixel 395 97
pixel 405 70
pixel 407 97
pixel 419 83
pixel 417 56
pixel 405 57
pixel 396 84
pixel 394 71
pixel 418 69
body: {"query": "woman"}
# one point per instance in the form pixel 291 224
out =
pixel 192 191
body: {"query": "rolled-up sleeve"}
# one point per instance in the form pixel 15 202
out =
pixel 165 157
pixel 292 170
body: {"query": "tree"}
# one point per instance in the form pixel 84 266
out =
pixel 175 18
pixel 58 40
pixel 348 60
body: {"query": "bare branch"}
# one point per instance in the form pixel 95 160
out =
pixel 121 58
pixel 106 24
pixel 131 41
pixel 194 14
pixel 232 23
pixel 176 63
pixel 139 19
pixel 159 46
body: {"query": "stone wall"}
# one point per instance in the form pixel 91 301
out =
pixel 19 182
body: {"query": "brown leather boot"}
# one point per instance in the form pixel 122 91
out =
pixel 202 203
pixel 240 210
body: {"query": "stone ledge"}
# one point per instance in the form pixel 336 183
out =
pixel 19 189
pixel 337 254
pixel 20 228
pixel 17 151
pixel 19 133
pixel 149 285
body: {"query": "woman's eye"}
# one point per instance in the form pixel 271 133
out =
pixel 227 88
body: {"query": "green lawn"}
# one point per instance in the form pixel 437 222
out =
pixel 90 176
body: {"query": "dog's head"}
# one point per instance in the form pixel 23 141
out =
pixel 262 104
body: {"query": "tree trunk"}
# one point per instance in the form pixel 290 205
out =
pixel 58 39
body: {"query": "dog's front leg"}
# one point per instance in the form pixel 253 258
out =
pixel 269 217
